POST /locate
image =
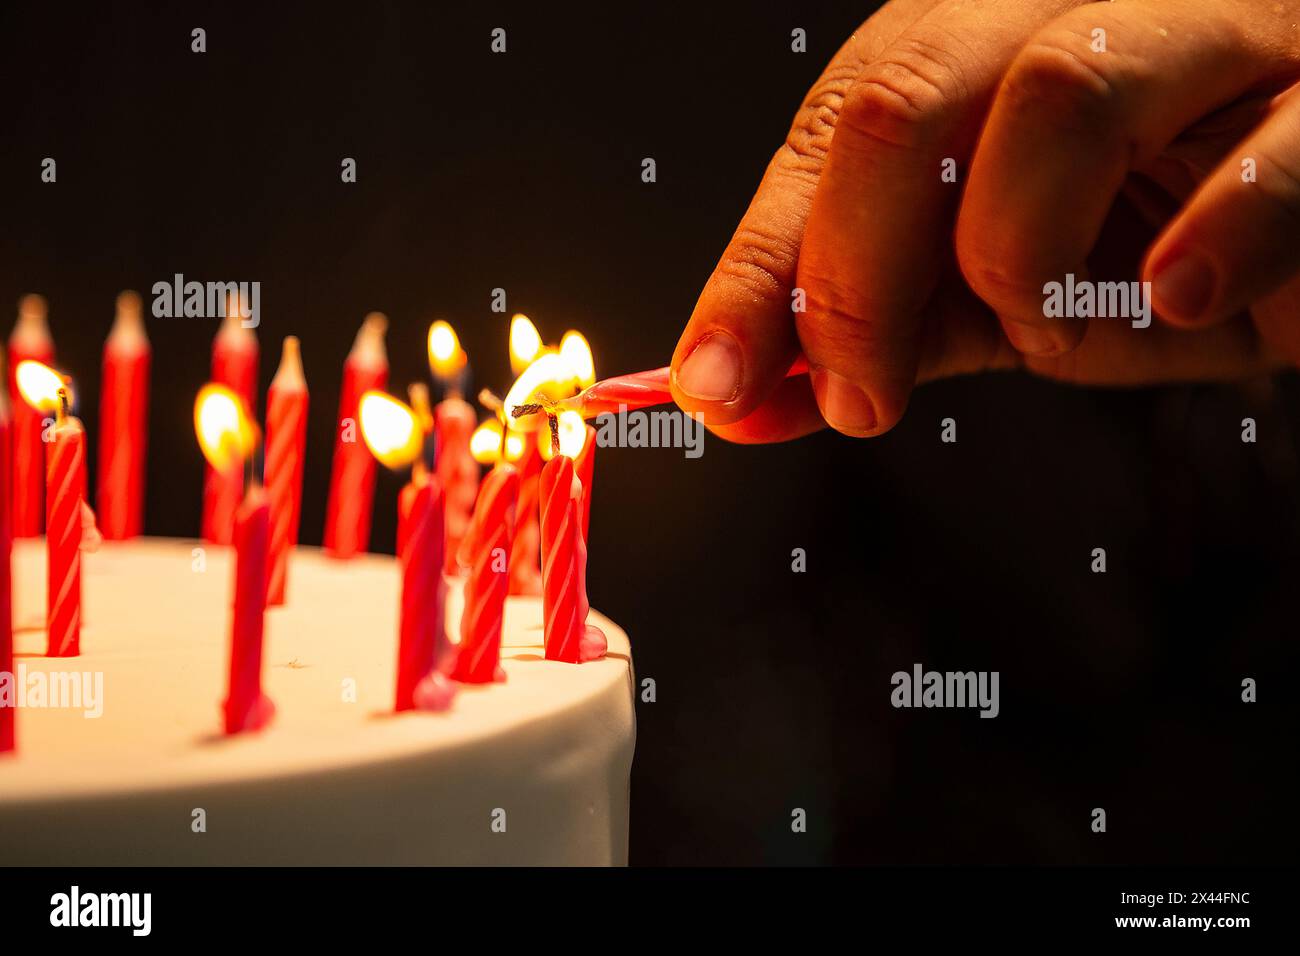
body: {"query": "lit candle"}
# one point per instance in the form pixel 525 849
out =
pixel 525 567
pixel 123 410
pixel 584 462
pixel 352 480
pixel 286 442
pixel 8 693
pixel 454 423
pixel 64 490
pixel 550 375
pixel 30 341
pixel 227 438
pixel 246 707
pixel 564 559
pixel 418 393
pixel 395 437
pixel 486 550
pixel 525 344
pixel 585 467
pixel 234 365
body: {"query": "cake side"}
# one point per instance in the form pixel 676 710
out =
pixel 337 777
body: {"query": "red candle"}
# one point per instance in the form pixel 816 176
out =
pixel 584 467
pixel 8 701
pixel 525 571
pixel 352 481
pixel 234 364
pixel 246 707
pixel 454 423
pixel 638 390
pixel 286 442
pixel 406 501
pixel 123 413
pixel 487 547
pixel 564 561
pixel 64 523
pixel 30 340
pixel 421 623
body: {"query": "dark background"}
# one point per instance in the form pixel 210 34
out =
pixel 522 171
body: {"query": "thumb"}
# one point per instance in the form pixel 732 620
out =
pixel 741 339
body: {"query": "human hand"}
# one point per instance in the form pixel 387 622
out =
pixel 1104 165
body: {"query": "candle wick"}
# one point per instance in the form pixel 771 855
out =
pixel 554 422
pixel 63 405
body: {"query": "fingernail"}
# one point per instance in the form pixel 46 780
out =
pixel 845 407
pixel 712 370
pixel 1183 286
pixel 1030 339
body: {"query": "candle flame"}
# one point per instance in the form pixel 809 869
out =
pixel 446 357
pixel 39 385
pixel 577 353
pixel 525 344
pixel 391 429
pixel 573 435
pixel 549 377
pixel 485 444
pixel 226 434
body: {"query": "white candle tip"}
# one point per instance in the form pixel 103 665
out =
pixel 290 372
pixel 128 324
pixel 369 346
pixel 31 329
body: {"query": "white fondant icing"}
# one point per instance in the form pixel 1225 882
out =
pixel 330 780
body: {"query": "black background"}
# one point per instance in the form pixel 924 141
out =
pixel 522 171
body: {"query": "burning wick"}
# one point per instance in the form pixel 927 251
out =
pixel 553 420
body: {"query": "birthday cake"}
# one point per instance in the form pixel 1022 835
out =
pixel 122 760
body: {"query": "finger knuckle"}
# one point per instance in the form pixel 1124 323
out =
pixel 1057 72
pixel 760 262
pixel 809 139
pixel 905 99
pixel 999 280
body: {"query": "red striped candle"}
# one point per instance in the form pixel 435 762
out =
pixel 584 466
pixel 8 701
pixel 458 473
pixel 123 411
pixel 286 441
pixel 30 340
pixel 421 624
pixel 525 571
pixel 487 547
pixel 564 561
pixel 63 495
pixel 246 708
pixel 352 479
pixel 234 364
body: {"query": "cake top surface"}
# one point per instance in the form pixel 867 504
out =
pixel 155 646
